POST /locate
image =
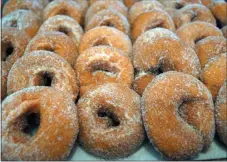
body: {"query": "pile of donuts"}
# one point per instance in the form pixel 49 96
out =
pixel 108 73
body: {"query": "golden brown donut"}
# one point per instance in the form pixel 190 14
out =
pixel 192 13
pixel 219 10
pixel 110 121
pixel 42 68
pixel 103 4
pixel 64 24
pixel 210 47
pixel 104 35
pixel 53 114
pixel 193 32
pixel 111 18
pixel 214 73
pixel 149 20
pixel 24 20
pixel 221 113
pixel 178 115
pixel 13 44
pixel 55 42
pixel 103 64
pixel 224 31
pixel 62 7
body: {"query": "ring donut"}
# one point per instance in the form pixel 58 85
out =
pixel 13 44
pixel 178 115
pixel 219 10
pixel 210 47
pixel 111 18
pixel 103 64
pixel 55 42
pixel 63 24
pixel 23 20
pixel 224 31
pixel 110 121
pixel 220 113
pixel 193 32
pixel 52 112
pixel 215 67
pixel 103 35
pixel 42 68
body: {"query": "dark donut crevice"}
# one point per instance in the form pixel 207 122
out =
pixel 7 50
pixel 45 79
pixel 113 120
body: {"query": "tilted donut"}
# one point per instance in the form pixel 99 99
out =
pixel 178 115
pixel 221 113
pixel 224 31
pixel 111 18
pixel 210 47
pixel 55 42
pixel 103 4
pixel 192 13
pixel 63 24
pixel 103 35
pixel 62 7
pixel 103 64
pixel 110 121
pixel 13 44
pixel 219 10
pixel 56 133
pixel 42 68
pixel 214 73
pixel 130 3
pixel 193 32
pixel 151 19
pixel 23 20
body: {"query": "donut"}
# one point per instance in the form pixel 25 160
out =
pixel 103 4
pixel 207 3
pixel 111 18
pixel 103 64
pixel 210 47
pixel 220 114
pixel 178 114
pixel 151 19
pixel 178 4
pixel 103 35
pixel 192 13
pixel 13 44
pixel 214 73
pixel 193 32
pixel 110 121
pixel 141 7
pixel 224 31
pixel 23 20
pixel 33 5
pixel 130 3
pixel 42 68
pixel 49 110
pixel 219 10
pixel 61 7
pixel 55 42
pixel 63 24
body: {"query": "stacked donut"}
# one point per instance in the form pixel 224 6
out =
pixel 127 64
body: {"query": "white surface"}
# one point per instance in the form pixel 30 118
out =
pixel 217 150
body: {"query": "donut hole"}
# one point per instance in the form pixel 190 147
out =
pixel 103 67
pixel 101 41
pixel 31 123
pixel 7 50
pixel 44 79
pixel 63 30
pixel 219 24
pixel 194 16
pixel 178 6
pixel 112 119
pixel 13 23
pixel 107 23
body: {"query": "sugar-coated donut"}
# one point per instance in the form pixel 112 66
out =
pixel 109 17
pixel 42 68
pixel 110 121
pixel 64 24
pixel 130 3
pixel 193 32
pixel 221 113
pixel 13 44
pixel 192 13
pixel 224 31
pixel 55 42
pixel 210 47
pixel 57 127
pixel 103 4
pixel 34 5
pixel 103 64
pixel 219 10
pixel 23 20
pixel 214 73
pixel 63 7
pixel 178 115
pixel 149 20
pixel 103 35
